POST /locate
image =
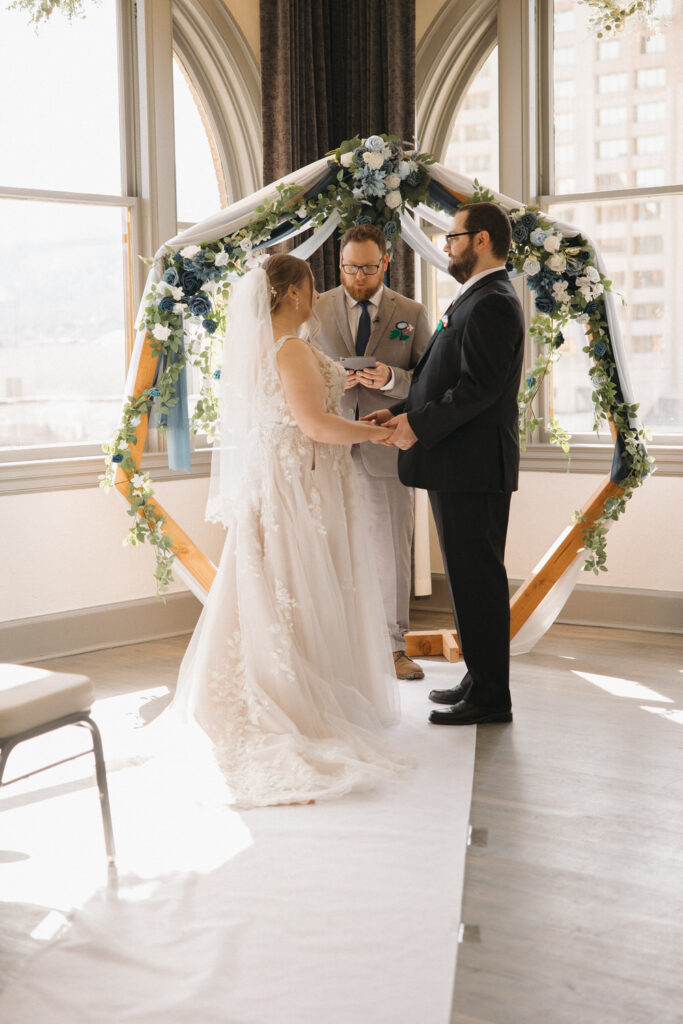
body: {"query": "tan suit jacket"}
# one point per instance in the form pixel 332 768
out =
pixel 335 339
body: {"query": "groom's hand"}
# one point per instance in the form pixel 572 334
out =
pixel 403 437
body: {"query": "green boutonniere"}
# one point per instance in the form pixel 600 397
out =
pixel 402 330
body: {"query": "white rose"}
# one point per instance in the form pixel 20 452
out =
pixel 392 181
pixel 189 251
pixel 137 480
pixel 560 290
pixel 246 245
pixel 557 262
pixel 582 318
pixel 393 199
pixel 161 332
pixel 552 243
pixel 592 274
pixel 178 308
pixel 586 292
pixel 373 160
pixel 210 286
pixel 531 265
pixel 222 259
pixel 581 282
pixel 598 289
pixel 346 159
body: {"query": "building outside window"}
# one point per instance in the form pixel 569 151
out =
pixel 637 233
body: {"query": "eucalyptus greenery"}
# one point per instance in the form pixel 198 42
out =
pixel 610 16
pixel 41 10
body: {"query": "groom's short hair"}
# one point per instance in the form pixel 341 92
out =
pixel 364 233
pixel 492 218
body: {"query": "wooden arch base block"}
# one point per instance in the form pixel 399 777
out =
pixel 422 642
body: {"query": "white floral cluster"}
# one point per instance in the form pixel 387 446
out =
pixel 378 168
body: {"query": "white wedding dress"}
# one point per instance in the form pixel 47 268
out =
pixel 289 670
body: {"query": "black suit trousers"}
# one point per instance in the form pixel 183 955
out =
pixel 472 528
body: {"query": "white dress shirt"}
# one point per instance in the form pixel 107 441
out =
pixel 353 312
pixel 477 277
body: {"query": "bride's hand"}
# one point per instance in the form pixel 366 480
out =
pixel 380 435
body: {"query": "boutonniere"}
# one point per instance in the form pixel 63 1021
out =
pixel 402 330
pixel 442 324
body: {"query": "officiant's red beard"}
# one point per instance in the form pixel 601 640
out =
pixel 461 267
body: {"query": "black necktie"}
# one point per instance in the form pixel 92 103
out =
pixel 363 332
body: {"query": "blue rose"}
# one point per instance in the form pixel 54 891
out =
pixel 546 304
pixel 599 348
pixel 572 269
pixel 200 305
pixel 177 258
pixel 538 236
pixel 533 281
pixel 585 254
pixel 364 219
pixel 390 229
pixel 171 277
pixel 530 381
pixel 413 179
pixel 374 143
pixel 209 326
pixel 216 374
pixel 529 220
pixel 509 266
pixel 559 339
pixel 591 307
pixel 228 248
pixel 153 392
pixel 519 233
pixel 190 281
pixel 167 304
pixel 117 458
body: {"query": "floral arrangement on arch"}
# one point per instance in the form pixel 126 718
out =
pixel 370 181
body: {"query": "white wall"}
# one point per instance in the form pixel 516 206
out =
pixel 63 550
pixel 644 549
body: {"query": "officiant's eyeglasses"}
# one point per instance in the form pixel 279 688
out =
pixel 368 270
pixel 456 234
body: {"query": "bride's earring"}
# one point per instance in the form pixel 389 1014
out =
pixel 297 304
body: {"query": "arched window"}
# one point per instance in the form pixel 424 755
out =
pixel 200 185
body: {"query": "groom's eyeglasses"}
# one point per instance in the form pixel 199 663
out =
pixel 368 270
pixel 456 234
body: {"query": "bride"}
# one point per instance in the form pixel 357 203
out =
pixel 289 671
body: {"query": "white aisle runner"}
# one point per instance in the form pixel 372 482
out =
pixel 339 913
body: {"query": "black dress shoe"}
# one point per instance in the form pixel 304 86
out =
pixel 457 693
pixel 469 714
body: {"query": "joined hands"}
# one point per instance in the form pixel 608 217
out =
pixel 402 435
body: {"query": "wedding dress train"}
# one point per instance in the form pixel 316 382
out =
pixel 289 671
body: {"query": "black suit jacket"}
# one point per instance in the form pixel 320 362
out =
pixel 462 402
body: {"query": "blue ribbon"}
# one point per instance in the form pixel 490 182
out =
pixel 175 418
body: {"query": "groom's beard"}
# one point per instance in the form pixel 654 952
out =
pixel 462 267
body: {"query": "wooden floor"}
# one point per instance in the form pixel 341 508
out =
pixel 573 902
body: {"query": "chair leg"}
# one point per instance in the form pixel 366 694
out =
pixel 101 774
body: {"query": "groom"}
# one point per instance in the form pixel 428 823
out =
pixel 458 438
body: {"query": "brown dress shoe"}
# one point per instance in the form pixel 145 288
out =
pixel 405 668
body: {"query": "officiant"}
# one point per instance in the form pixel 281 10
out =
pixel 364 320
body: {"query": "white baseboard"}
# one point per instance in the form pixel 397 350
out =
pixel 91 629
pixel 658 611
pixel 131 622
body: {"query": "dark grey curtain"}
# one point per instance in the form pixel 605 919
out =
pixel 332 69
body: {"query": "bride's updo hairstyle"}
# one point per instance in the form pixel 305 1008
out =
pixel 283 270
